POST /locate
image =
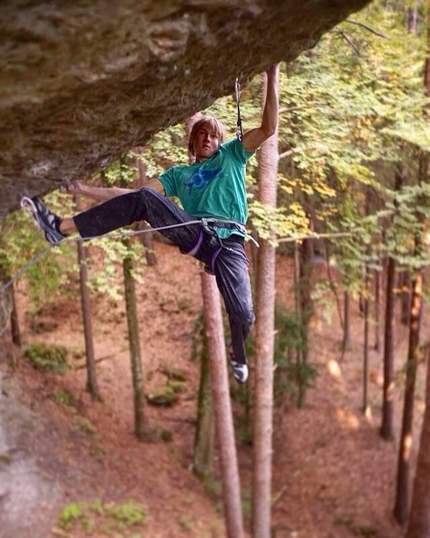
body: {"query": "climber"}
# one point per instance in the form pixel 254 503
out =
pixel 211 189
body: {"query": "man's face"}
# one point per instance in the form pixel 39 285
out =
pixel 206 142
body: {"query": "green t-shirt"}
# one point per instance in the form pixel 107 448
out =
pixel 214 187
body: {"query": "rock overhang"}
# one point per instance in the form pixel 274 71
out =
pixel 82 82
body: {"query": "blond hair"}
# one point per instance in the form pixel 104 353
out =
pixel 206 121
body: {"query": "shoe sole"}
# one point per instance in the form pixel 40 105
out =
pixel 50 235
pixel 29 206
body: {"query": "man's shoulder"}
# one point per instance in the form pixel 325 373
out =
pixel 230 143
pixel 177 169
pixel 234 148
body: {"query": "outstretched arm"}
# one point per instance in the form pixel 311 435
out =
pixel 106 193
pixel 253 138
pixel 68 226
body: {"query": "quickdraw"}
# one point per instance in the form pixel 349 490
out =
pixel 239 117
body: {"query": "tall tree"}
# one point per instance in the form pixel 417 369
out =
pixel 264 346
pixel 205 425
pixel 366 339
pixel 419 518
pixel 405 296
pixel 414 352
pixel 387 427
pixel 377 281
pixel 14 320
pixel 306 260
pixel 92 384
pixel 134 343
pixel 346 341
pixel 405 445
pixel 223 412
pixel 133 331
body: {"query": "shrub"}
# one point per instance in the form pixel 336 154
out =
pixel 47 357
pixel 128 513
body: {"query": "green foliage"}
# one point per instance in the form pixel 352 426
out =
pixel 175 374
pixel 62 397
pixel 94 514
pixel 346 122
pixel 47 357
pixel 163 396
pixel 71 513
pixel 127 513
pixel 166 148
pixel 177 386
pixel 291 376
pixel 185 523
pixel 5 459
pixel 84 424
pixel 20 240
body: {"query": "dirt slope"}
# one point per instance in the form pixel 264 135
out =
pixel 333 476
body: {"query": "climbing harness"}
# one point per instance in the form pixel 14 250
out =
pixel 239 117
pixel 209 224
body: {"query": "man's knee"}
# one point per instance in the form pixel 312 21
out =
pixel 244 315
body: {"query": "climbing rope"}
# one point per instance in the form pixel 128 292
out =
pixel 239 117
pixel 205 222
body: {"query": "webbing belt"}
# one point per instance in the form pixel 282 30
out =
pixel 210 224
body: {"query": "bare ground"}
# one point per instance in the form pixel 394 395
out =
pixel 333 476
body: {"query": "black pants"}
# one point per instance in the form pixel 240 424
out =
pixel 226 257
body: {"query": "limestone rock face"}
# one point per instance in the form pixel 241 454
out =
pixel 81 82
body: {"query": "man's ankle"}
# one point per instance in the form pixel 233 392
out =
pixel 66 226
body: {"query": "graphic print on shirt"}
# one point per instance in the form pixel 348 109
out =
pixel 200 178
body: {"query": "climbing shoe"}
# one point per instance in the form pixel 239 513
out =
pixel 47 221
pixel 240 370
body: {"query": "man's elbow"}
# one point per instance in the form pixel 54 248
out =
pixel 269 130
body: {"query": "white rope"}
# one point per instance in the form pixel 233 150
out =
pixel 38 256
pixel 294 238
pixel 71 239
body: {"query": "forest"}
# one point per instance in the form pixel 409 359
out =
pixel 121 342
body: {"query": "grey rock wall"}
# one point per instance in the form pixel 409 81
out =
pixel 81 82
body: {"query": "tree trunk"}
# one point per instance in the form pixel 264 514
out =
pixel 14 321
pixel 419 518
pixel 366 342
pixel 346 343
pixel 222 406
pixel 205 427
pixel 134 343
pixel 402 498
pixel 306 257
pixel 405 449
pixel 387 429
pixel 264 347
pixel 405 294
pixel 146 238
pixel 377 280
pixel 412 20
pixel 298 319
pixel 92 384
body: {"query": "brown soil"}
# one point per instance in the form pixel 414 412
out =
pixel 333 476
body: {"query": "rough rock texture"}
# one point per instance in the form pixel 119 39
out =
pixel 81 82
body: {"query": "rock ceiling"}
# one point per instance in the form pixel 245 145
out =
pixel 81 82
